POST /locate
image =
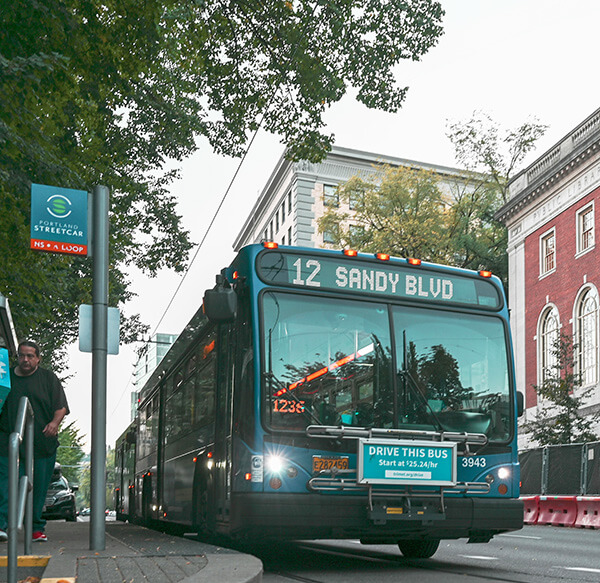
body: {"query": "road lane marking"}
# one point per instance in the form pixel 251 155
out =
pixel 521 536
pixel 584 569
pixel 479 557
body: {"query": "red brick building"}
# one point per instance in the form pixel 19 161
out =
pixel 554 263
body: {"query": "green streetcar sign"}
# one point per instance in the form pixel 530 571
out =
pixel 59 218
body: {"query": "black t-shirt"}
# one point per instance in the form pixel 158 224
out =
pixel 46 395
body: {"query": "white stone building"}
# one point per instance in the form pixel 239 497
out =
pixel 292 201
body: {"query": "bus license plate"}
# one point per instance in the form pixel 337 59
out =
pixel 327 463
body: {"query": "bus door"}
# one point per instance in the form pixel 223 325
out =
pixel 223 447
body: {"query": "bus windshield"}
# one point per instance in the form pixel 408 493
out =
pixel 336 362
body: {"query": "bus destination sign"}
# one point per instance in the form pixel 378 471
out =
pixel 385 461
pixel 356 276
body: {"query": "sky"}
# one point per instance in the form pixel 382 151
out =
pixel 512 59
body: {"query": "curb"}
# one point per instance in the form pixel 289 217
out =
pixel 219 568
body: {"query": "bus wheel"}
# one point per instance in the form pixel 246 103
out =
pixel 418 549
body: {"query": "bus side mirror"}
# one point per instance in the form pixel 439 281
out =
pixel 220 304
pixel 520 403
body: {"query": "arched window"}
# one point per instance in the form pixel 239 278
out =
pixel 548 335
pixel 587 336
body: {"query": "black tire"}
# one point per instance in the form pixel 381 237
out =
pixel 418 549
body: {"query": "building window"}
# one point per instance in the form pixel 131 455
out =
pixel 329 237
pixel 585 229
pixel 587 336
pixel 290 236
pixel 356 232
pixel 548 253
pixel 548 336
pixel 356 197
pixel 289 203
pixel 331 196
pixel 277 222
pixel 283 213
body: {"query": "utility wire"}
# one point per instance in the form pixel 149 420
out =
pixel 214 218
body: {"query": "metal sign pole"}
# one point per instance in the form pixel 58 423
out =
pixel 99 361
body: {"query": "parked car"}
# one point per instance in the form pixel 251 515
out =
pixel 60 500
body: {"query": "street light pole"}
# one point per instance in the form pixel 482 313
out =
pixel 99 361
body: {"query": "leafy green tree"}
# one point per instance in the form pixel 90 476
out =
pixel 110 92
pixel 481 145
pixel 409 213
pixel 559 419
pixel 398 211
pixel 413 212
pixel 84 494
pixel 70 452
pixel 110 479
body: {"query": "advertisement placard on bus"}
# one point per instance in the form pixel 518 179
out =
pixel 385 461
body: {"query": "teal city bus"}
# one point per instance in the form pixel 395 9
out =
pixel 334 394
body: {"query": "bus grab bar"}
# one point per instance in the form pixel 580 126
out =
pixel 344 432
pixel 345 482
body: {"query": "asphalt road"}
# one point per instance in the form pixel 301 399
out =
pixel 532 555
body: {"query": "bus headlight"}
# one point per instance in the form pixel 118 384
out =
pixel 275 463
pixel 503 473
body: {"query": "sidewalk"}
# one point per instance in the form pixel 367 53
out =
pixel 135 554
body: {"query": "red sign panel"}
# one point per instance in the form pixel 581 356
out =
pixel 56 247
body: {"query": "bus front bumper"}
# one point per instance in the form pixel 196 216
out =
pixel 295 516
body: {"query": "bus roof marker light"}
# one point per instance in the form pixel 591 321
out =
pixel 350 252
pixel 485 273
pixel 382 256
pixel 413 261
pixel 270 245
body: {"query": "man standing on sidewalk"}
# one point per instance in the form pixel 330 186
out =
pixel 49 404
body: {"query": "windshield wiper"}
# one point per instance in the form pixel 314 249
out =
pixel 413 385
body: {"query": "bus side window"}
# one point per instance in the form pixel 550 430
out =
pixel 141 442
pixel 152 425
pixel 205 396
pixel 187 400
